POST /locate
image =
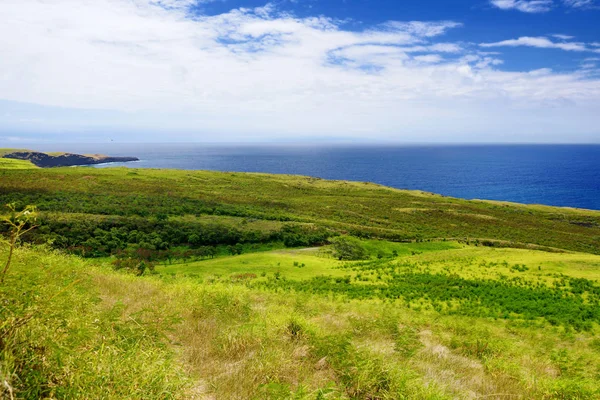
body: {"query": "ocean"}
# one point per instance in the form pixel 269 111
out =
pixel 559 175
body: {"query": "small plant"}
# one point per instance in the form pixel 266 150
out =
pixel 295 329
pixel 19 222
pixel 407 341
pixel 519 268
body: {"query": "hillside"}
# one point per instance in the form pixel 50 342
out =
pixel 47 160
pixel 131 199
pixel 7 163
pixel 161 284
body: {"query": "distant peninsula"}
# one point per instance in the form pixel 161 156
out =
pixel 48 160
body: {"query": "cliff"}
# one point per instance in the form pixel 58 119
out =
pixel 45 160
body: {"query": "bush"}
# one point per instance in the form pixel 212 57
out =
pixel 348 248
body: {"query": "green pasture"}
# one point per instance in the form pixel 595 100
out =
pixel 295 263
pixel 8 163
pixel 285 262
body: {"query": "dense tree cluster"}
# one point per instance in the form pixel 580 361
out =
pixel 98 237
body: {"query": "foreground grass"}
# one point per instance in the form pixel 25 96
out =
pixel 60 337
pixel 94 333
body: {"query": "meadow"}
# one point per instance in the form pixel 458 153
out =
pixel 7 163
pixel 279 287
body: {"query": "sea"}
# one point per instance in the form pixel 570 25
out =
pixel 558 175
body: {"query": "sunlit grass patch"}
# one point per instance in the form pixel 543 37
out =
pixel 8 163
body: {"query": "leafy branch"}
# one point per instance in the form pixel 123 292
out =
pixel 19 222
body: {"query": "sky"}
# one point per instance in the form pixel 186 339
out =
pixel 406 71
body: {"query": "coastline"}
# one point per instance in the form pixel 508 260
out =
pixel 48 160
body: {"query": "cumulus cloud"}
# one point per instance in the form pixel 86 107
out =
pixel 150 65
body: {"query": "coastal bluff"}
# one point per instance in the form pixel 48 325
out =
pixel 48 160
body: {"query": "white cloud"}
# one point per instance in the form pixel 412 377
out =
pixel 263 73
pixel 540 42
pixel 429 59
pixel 424 29
pixel 563 37
pixel 540 6
pixel 528 6
pixel 580 3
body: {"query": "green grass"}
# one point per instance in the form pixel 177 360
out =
pixel 60 337
pixel 456 300
pixel 8 163
pixel 102 334
pixel 279 261
pixel 293 263
pixel 4 151
pixel 387 249
pixel 359 209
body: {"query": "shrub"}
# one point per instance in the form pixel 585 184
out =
pixel 348 248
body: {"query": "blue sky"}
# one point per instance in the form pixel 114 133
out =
pixel 301 70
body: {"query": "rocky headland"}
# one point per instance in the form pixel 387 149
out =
pixel 45 160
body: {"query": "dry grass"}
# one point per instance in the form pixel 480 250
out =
pixel 223 340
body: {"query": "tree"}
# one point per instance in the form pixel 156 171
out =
pixel 194 239
pixel 348 248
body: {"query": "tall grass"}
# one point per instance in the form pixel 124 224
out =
pixel 99 334
pixel 59 339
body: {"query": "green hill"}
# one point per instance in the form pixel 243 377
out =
pixel 7 163
pixel 160 284
pixel 360 209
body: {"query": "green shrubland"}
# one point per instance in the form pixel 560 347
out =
pixel 95 333
pixel 82 200
pixel 148 284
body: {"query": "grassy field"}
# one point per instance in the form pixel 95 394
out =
pixel 359 209
pixel 446 299
pixel 4 150
pixel 292 263
pixel 210 330
pixel 7 163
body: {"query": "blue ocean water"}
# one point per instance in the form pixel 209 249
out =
pixel 560 175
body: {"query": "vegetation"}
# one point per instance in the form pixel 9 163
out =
pixel 19 223
pixel 202 285
pixel 7 163
pixel 358 209
pixel 348 248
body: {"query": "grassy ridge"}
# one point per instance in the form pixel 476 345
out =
pixel 60 337
pixel 360 209
pixel 8 163
pixel 4 150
